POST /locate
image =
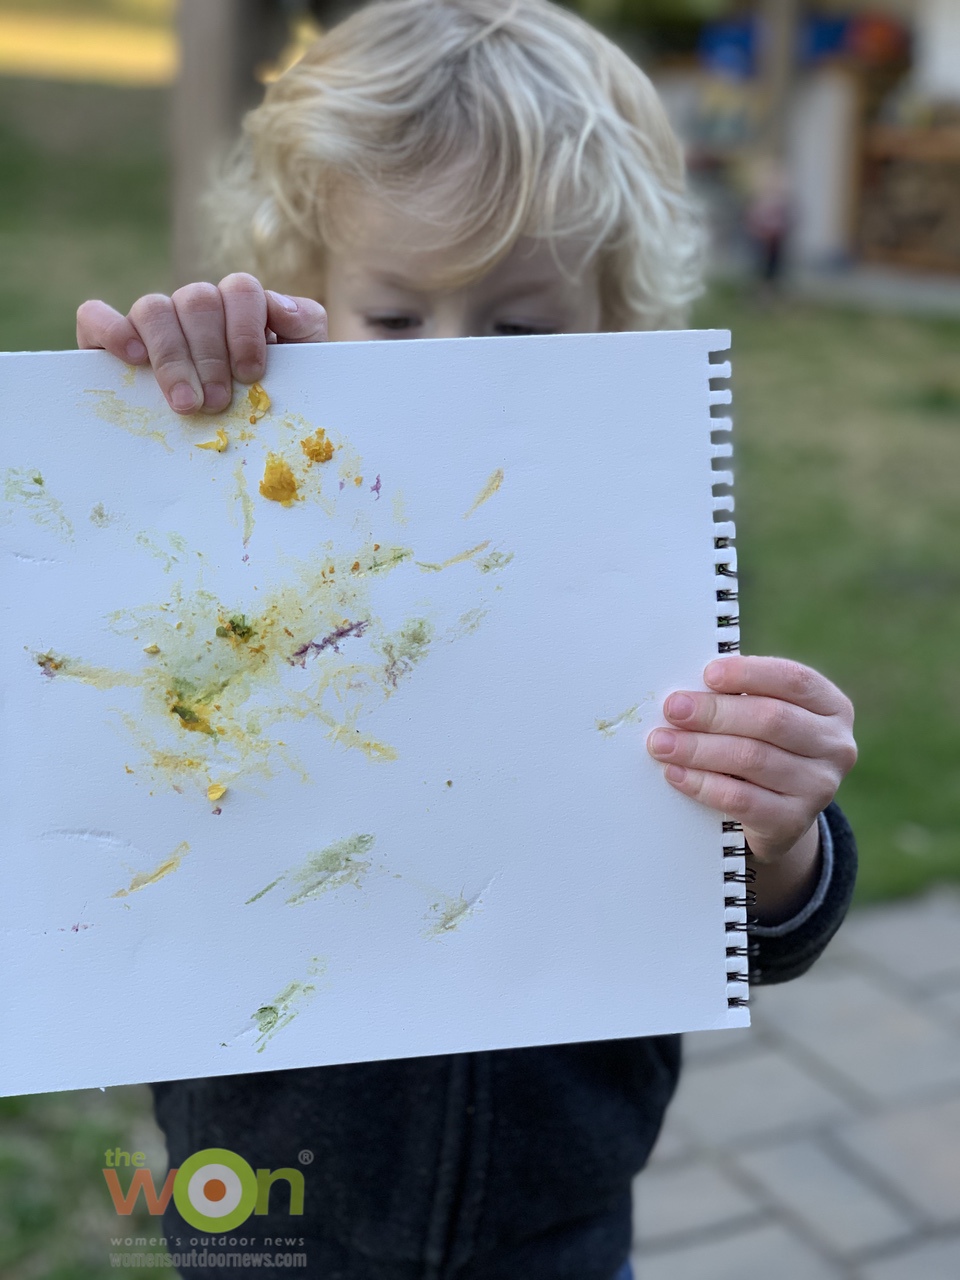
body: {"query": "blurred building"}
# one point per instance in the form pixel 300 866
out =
pixel 858 126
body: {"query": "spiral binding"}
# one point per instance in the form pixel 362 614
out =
pixel 737 877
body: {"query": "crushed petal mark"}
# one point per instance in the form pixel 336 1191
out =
pixel 317 448
pixel 486 493
pixel 279 484
pixel 457 559
pixel 218 444
pixel 144 878
pixel 259 403
pixel 331 641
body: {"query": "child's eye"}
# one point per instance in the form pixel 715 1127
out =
pixel 393 323
pixel 509 329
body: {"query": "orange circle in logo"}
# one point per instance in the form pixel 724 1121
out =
pixel 214 1189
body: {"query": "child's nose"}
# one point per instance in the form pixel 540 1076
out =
pixel 452 318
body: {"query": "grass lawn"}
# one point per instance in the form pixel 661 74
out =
pixel 848 521
pixel 848 453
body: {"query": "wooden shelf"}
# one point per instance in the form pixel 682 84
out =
pixel 923 146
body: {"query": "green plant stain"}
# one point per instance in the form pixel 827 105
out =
pixel 389 558
pixel 339 864
pixel 100 516
pixel 495 561
pixel 405 649
pixel 459 558
pixel 444 916
pixel 26 488
pixel 469 622
pixel 168 558
pixel 237 628
pixel 272 885
pixel 284 1006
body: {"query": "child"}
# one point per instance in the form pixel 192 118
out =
pixel 442 168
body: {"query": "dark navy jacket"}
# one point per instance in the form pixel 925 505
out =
pixel 507 1165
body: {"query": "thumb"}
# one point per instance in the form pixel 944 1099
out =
pixel 295 319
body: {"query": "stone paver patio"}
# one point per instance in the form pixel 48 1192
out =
pixel 823 1143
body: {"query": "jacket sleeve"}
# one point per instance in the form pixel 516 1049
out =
pixel 784 951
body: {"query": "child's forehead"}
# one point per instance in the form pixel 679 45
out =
pixel 409 248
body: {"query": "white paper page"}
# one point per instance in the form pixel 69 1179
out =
pixel 425 683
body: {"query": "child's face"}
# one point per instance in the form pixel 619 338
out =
pixel 387 286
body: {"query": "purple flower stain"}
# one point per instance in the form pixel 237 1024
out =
pixel 375 488
pixel 332 641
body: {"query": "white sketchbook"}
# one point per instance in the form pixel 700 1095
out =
pixel 323 721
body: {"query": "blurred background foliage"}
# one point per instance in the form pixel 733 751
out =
pixel 146 12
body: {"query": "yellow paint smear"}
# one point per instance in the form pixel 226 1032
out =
pixel 144 878
pixel 246 502
pixel 218 445
pixel 608 727
pixel 279 484
pixel 259 402
pixel 317 447
pixel 54 665
pixel 487 492
pixel 216 791
pixel 131 418
pixel 458 559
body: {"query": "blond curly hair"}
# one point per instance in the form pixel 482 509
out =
pixel 491 119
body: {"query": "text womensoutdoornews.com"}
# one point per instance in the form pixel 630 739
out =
pixel 207 1257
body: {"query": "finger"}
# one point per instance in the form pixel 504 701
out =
pixel 778 678
pixel 100 327
pixel 771 720
pixel 155 319
pixel 245 314
pixel 199 309
pixel 296 319
pixel 814 781
pixel 768 813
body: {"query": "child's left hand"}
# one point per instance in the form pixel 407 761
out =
pixel 769 747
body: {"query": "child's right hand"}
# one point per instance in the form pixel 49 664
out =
pixel 202 337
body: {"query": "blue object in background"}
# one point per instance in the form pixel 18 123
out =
pixel 823 38
pixel 729 48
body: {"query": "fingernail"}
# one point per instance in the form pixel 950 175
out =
pixel 680 706
pixel 662 742
pixel 135 350
pixel 215 395
pixel 183 397
pixel 249 371
pixel 713 673
pixel 288 304
pixel 673 773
